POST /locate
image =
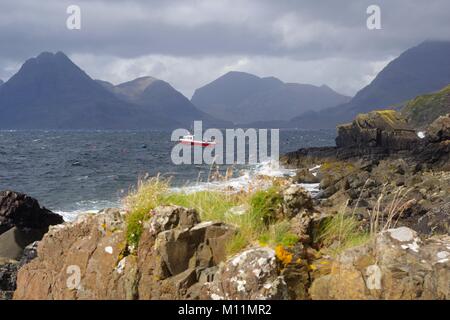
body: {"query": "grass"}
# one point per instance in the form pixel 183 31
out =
pixel 256 214
pixel 382 221
pixel 265 205
pixel 257 219
pixel 341 232
pixel 424 109
pixel 278 234
pixel 140 202
pixel 344 230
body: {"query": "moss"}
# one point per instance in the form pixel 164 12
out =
pixel 390 116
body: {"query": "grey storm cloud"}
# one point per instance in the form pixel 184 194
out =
pixel 191 42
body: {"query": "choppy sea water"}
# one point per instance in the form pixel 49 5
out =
pixel 76 171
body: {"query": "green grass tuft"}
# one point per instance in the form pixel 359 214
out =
pixel 257 217
pixel 265 204
pixel 341 232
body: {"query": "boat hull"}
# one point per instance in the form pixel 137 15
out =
pixel 198 143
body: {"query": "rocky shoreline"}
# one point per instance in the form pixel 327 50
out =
pixel 387 186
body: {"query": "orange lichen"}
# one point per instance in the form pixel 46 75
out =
pixel 283 255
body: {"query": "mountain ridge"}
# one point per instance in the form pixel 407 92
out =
pixel 51 92
pixel 419 70
pixel 243 97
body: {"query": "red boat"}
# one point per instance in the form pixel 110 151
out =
pixel 189 139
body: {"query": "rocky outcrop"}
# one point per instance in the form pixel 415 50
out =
pixel 304 175
pixel 396 265
pixel 22 222
pixel 90 258
pixel 439 130
pixel 295 200
pixel 250 275
pixel 21 211
pixel 377 133
pixel 177 252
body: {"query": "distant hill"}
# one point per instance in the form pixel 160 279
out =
pixel 51 92
pixel 1 82
pixel 242 98
pixel 160 97
pixel 419 70
pixel 424 109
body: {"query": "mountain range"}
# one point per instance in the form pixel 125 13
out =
pixel 242 98
pixel 419 70
pixel 51 92
pixel 161 98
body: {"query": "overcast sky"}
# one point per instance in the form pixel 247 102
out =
pixel 190 43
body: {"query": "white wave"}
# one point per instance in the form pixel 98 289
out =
pixel 83 207
pixel 243 182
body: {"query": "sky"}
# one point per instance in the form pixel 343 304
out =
pixel 190 43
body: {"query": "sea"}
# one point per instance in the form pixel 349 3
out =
pixel 71 172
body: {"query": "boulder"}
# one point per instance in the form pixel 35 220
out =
pixel 21 211
pixel 173 261
pixel 90 259
pixel 430 222
pixel 296 199
pixel 439 130
pixel 397 264
pixel 83 259
pixel 250 275
pixel 305 176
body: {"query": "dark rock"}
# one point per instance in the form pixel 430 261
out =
pixel 383 131
pixel 21 211
pixel 306 157
pixel 8 273
pixel 9 269
pixel 305 176
pixel 14 241
pixel 439 130
pixel 434 221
